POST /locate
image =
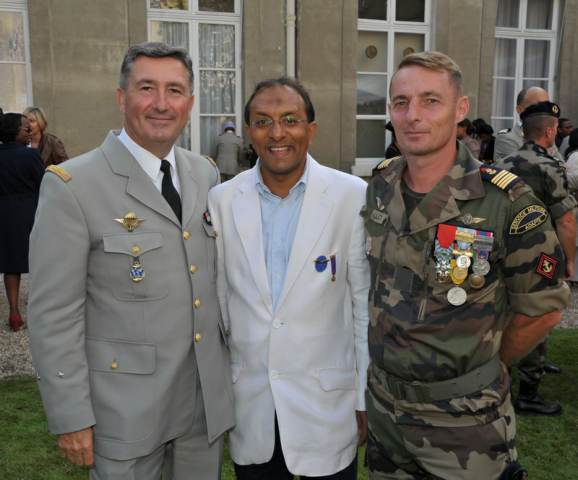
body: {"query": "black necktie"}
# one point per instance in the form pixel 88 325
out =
pixel 169 191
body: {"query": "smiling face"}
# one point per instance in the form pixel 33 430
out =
pixel 156 103
pixel 425 108
pixel 282 146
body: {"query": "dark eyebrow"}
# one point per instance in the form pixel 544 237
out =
pixel 282 115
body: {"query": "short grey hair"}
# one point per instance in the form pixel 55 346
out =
pixel 154 50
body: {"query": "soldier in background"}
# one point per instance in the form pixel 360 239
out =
pixel 229 152
pixel 466 279
pixel 547 177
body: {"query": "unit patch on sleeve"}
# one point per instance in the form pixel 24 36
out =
pixel 527 219
pixel 546 266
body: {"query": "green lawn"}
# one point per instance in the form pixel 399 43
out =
pixel 548 447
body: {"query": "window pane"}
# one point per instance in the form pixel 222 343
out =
pixel 505 59
pixel 371 138
pixel 373 9
pixel 539 14
pixel 12 37
pixel 211 127
pixel 13 87
pixel 371 94
pixel 372 52
pixel 217 5
pixel 410 10
pixel 530 82
pixel 216 46
pixel 173 33
pixel 503 98
pixel 508 13
pixel 408 43
pixel 536 58
pixel 170 4
pixel 217 92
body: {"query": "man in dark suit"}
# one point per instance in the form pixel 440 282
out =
pixel 125 329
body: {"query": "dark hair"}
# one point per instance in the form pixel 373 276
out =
pixel 10 124
pixel 535 126
pixel 282 82
pixel 572 142
pixel 465 123
pixel 521 95
pixel 153 50
pixel 562 121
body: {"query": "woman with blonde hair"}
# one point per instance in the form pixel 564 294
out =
pixel 49 146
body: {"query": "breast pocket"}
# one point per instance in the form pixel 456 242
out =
pixel 134 266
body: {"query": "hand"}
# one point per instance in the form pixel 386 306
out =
pixel 361 427
pixel 76 447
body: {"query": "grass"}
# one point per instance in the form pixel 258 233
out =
pixel 548 447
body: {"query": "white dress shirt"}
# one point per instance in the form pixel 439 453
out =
pixel 150 163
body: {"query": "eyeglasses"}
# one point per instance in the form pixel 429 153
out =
pixel 288 121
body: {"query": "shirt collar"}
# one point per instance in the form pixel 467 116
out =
pixel 148 161
pixel 301 183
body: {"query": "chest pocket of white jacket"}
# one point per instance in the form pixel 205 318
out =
pixel 135 266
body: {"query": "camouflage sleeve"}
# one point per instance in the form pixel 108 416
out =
pixel 558 198
pixel 534 266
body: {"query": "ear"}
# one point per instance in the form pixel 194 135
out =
pixel 462 108
pixel 311 131
pixel 121 99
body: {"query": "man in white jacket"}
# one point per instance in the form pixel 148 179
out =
pixel 293 282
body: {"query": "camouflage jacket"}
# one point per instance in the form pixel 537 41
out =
pixel 415 333
pixel 545 174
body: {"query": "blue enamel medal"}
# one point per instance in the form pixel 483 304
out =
pixel 321 263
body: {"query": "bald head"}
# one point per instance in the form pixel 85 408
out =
pixel 530 96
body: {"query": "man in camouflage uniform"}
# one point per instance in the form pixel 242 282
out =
pixel 547 177
pixel 466 278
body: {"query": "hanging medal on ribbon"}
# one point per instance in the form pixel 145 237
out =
pixel 443 249
pixel 137 273
pixel 483 244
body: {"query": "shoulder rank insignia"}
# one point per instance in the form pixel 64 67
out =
pixel 385 163
pixel 59 171
pixel 501 178
pixel 211 161
pixel 527 219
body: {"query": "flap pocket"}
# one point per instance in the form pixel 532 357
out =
pixel 337 379
pixel 117 356
pixel 209 230
pixel 131 243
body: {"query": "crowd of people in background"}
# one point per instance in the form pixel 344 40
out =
pixel 26 149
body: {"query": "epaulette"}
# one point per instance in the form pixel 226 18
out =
pixel 500 177
pixel 211 161
pixel 504 130
pixel 59 171
pixel 384 164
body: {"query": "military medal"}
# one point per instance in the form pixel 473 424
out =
pixel 477 281
pixel 443 252
pixel 137 273
pixel 483 244
pixel 457 296
pixel 130 221
pixel 320 263
pixel 463 261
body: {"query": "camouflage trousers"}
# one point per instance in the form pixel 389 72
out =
pixel 531 367
pixel 404 448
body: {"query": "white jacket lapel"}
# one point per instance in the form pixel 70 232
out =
pixel 247 217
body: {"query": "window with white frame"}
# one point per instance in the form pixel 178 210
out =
pixel 387 31
pixel 211 31
pixel 15 79
pixel 525 56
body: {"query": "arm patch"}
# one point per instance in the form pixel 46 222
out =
pixel 528 219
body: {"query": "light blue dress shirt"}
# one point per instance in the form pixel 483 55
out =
pixel 279 219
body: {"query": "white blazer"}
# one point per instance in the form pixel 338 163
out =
pixel 307 360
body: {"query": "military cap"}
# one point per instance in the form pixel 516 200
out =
pixel 541 109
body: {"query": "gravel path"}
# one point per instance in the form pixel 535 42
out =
pixel 15 357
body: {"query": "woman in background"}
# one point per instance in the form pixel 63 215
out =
pixel 50 147
pixel 21 171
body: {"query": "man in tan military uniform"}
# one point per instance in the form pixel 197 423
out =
pixel 466 278
pixel 125 328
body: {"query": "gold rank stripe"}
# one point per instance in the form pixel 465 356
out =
pixel 503 178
